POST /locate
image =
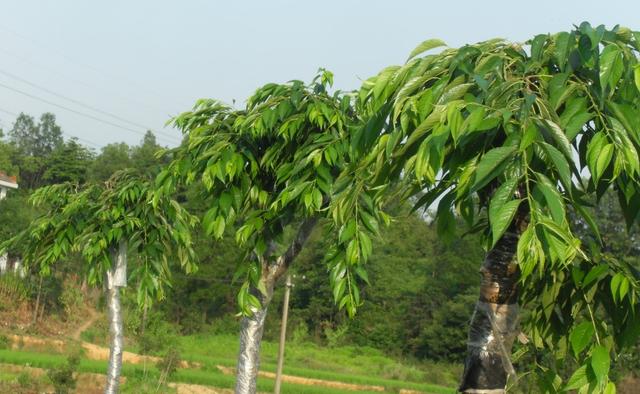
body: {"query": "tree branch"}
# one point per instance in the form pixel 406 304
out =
pixel 304 231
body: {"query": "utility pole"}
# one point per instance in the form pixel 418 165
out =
pixel 283 334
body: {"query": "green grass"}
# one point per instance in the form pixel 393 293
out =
pixel 210 377
pixel 358 365
pixel 348 364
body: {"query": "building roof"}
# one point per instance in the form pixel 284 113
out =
pixel 8 181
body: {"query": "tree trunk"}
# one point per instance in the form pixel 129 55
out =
pixel 35 309
pixel 494 324
pixel 42 306
pixel 252 326
pixel 116 346
pixel 116 278
pixel 251 331
pixel 143 324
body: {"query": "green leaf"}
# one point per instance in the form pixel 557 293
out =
pixel 369 221
pixel 615 285
pixel 425 46
pixel 578 379
pixel 560 138
pixel 218 227
pixel 636 76
pixel 624 288
pixel 600 362
pixel 563 42
pixel 602 161
pixel 595 273
pixel 554 200
pixel 347 231
pixel 560 163
pixel 503 194
pixel 491 164
pixel 581 336
pixel 501 219
pixel 597 158
pixel 611 66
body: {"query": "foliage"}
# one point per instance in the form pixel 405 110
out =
pixel 168 364
pixel 95 218
pixel 158 337
pixel 490 127
pixel 63 377
pixel 4 342
pixel 35 142
pixel 265 168
pixel 68 163
pixel 112 158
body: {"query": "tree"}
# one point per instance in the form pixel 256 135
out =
pixel 8 154
pixel 110 223
pixel 500 133
pixel 68 162
pixel 269 169
pixel 112 158
pixel 35 143
pixel 143 157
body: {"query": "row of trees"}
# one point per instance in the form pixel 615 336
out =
pixel 511 138
pixel 38 154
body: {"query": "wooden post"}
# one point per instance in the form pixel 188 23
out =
pixel 283 334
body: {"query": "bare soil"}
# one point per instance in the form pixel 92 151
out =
pixel 310 382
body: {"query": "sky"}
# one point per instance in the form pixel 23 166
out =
pixel 110 70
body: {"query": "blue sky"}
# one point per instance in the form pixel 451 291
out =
pixel 146 60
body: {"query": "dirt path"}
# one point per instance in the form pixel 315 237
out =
pixel 91 383
pixel 93 316
pixel 91 351
pixel 310 382
pixel 183 388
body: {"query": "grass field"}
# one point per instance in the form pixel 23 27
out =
pixel 348 364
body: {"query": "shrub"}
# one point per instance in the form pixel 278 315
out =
pixel 158 337
pixel 168 365
pixel 4 342
pixel 70 298
pixel 63 378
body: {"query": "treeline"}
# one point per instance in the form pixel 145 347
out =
pixel 37 153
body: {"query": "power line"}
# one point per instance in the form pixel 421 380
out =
pixel 63 132
pixel 75 111
pixel 71 60
pixel 51 92
pixel 29 61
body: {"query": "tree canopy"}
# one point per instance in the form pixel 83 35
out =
pixel 494 128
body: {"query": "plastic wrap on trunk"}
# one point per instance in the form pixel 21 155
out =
pixel 494 324
pixel 249 358
pixel 117 275
pixel 117 345
pixel 494 328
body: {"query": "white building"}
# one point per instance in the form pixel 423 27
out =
pixel 6 183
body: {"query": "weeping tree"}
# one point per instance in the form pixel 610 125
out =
pixel 267 170
pixel 110 224
pixel 512 138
